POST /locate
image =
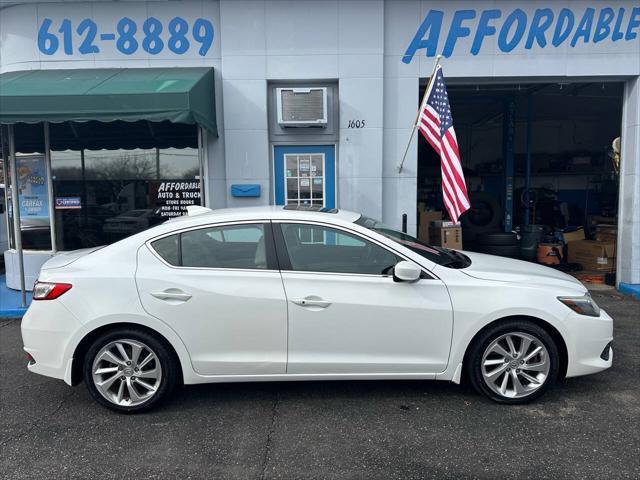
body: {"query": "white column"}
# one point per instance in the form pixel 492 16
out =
pixel 401 98
pixel 628 251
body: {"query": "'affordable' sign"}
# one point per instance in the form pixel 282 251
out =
pixel 545 27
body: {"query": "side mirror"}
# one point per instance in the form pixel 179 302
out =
pixel 406 272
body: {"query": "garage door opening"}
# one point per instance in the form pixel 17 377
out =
pixel 541 160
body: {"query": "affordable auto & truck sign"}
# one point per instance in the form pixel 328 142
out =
pixel 545 28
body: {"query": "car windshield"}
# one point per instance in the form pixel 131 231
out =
pixel 439 255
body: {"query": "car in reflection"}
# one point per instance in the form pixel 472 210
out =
pixel 131 222
pixel 82 228
pixel 290 293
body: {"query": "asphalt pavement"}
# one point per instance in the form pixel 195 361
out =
pixel 587 427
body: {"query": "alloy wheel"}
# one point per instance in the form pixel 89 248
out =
pixel 127 372
pixel 515 365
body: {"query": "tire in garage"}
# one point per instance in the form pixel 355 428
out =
pixel 497 238
pixel 511 251
pixel 484 215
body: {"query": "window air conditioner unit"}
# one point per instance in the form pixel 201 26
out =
pixel 302 107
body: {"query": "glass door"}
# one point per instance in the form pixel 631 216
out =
pixel 305 179
pixel 305 175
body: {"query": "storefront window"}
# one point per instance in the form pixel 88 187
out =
pixel 31 171
pixel 102 196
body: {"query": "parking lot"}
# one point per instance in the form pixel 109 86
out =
pixel 586 428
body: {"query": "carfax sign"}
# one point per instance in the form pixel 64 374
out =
pixel 33 189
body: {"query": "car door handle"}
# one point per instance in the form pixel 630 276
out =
pixel 311 302
pixel 172 295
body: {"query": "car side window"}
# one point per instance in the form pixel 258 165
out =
pixel 167 248
pixel 315 248
pixel 231 246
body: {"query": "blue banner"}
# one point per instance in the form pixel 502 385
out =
pixel 32 185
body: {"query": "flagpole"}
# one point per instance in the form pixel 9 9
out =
pixel 415 123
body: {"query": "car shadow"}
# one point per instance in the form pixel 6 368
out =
pixel 194 396
pixel 400 392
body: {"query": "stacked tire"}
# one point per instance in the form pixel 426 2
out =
pixel 503 244
pixel 484 216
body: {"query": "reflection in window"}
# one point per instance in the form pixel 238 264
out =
pixel 167 248
pixel 236 246
pixel 313 248
pixel 239 246
pixel 102 196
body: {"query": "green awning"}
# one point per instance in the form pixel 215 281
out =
pixel 178 95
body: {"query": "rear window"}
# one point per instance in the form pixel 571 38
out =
pixel 167 248
pixel 232 246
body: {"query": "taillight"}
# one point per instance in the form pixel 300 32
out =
pixel 49 291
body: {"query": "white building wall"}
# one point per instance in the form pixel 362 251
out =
pixel 293 40
pixel 401 98
pixel 628 267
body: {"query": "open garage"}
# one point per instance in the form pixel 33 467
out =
pixel 541 161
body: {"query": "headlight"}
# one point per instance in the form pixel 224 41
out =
pixel 583 305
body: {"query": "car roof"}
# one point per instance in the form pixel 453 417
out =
pixel 270 212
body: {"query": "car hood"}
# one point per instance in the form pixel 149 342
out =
pixel 491 267
pixel 65 258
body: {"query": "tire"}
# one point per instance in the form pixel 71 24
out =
pixel 498 239
pixel 127 390
pixel 484 215
pixel 546 363
pixel 511 251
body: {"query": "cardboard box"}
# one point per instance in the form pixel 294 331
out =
pixel 607 233
pixel 593 255
pixel 573 236
pixel 600 220
pixel 448 237
pixel 444 224
pixel 425 223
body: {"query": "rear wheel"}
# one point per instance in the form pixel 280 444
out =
pixel 513 362
pixel 129 370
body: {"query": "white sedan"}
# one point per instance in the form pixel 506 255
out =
pixel 271 294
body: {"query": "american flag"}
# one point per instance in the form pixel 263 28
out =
pixel 436 124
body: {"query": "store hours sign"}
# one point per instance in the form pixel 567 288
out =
pixel 151 35
pixel 171 198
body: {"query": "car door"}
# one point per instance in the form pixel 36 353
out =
pixel 219 288
pixel 347 315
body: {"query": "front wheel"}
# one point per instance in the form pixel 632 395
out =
pixel 513 362
pixel 129 370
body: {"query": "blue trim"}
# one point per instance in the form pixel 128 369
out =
pixel 329 170
pixel 10 301
pixel 632 289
